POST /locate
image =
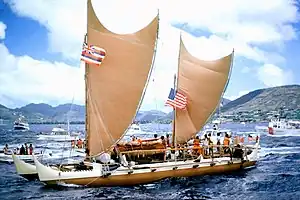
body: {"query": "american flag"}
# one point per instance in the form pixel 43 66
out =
pixel 176 100
pixel 92 54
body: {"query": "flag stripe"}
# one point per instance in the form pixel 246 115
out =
pixel 177 100
pixel 92 54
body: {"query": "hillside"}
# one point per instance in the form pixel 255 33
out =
pixel 268 99
pixel 42 113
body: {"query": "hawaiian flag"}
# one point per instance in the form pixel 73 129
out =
pixel 92 54
pixel 176 100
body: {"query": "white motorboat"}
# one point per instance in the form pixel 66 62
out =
pixel 280 127
pixel 21 124
pixel 134 129
pixel 57 134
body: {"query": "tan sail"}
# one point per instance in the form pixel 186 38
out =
pixel 115 88
pixel 203 83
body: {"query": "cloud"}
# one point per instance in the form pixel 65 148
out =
pixel 246 26
pixel 35 81
pixel 246 70
pixel 2 30
pixel 272 75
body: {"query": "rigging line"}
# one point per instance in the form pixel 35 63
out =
pixel 68 128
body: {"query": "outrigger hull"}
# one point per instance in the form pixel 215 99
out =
pixel 150 177
pixel 24 169
pixel 143 174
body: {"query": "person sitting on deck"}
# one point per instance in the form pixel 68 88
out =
pixel 238 152
pixel 5 149
pixel 72 143
pixel 79 143
pixel 30 149
pixel 163 141
pixel 18 151
pixel 133 138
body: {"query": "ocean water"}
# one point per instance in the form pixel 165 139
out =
pixel 276 176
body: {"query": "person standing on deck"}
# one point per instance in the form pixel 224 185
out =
pixel 30 149
pixel 26 149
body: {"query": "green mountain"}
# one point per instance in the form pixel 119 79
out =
pixel 269 99
pixel 44 113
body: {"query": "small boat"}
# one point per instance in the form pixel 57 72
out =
pixel 134 129
pixel 57 134
pixel 21 125
pixel 280 127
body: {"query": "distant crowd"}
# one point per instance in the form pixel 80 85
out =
pixel 24 150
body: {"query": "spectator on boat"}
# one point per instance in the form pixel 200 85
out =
pixel 72 143
pixel 155 136
pixel 18 151
pixel 5 149
pixel 226 143
pixel 218 141
pixel 163 141
pixel 168 140
pixel 196 146
pixel 238 152
pixel 79 143
pixel 139 140
pixel 26 149
pixel 22 150
pixel 30 149
pixel 210 144
pixel 205 144
pixel 133 138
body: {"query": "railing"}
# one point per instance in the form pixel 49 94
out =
pixel 205 151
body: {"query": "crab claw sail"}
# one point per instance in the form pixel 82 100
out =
pixel 203 82
pixel 115 88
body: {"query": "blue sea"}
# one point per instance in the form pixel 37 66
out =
pixel 277 175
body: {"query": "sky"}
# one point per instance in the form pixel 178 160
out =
pixel 41 40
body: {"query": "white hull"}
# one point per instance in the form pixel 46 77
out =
pixel 261 128
pixel 282 132
pixel 57 138
pixel 278 131
pixel 27 170
pixel 9 158
pixel 162 170
pixel 21 128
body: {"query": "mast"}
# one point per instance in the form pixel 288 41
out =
pixel 86 99
pixel 174 115
pixel 175 90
